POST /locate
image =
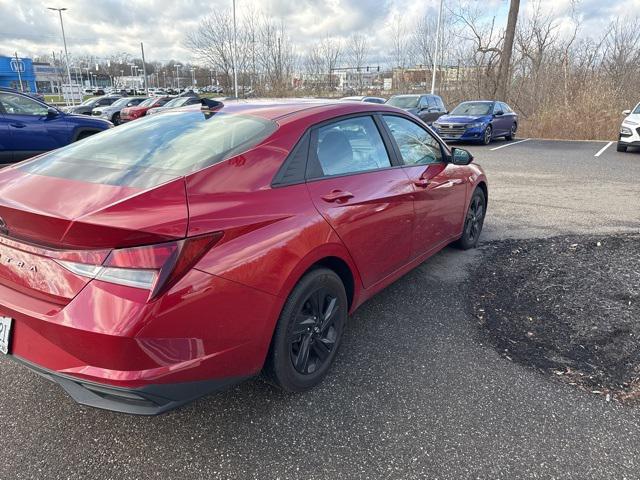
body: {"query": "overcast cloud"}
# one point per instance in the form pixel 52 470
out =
pixel 105 27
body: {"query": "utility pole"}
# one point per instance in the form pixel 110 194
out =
pixel 18 70
pixel 435 55
pixel 144 70
pixel 507 50
pixel 235 52
pixel 66 54
pixel 178 77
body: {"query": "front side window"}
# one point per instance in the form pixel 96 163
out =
pixel 155 149
pixel 417 146
pixel 497 108
pixel 20 105
pixel 350 146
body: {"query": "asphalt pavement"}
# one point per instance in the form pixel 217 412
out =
pixel 415 393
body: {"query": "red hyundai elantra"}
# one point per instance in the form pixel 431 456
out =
pixel 156 262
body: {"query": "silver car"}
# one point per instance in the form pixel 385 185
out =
pixel 112 112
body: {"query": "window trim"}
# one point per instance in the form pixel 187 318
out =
pixel 446 155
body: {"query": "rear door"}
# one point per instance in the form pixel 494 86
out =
pixel 31 130
pixel 359 189
pixel 440 189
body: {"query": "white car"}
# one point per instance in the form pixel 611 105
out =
pixel 630 130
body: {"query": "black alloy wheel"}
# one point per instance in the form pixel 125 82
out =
pixel 473 221
pixel 313 335
pixel 308 332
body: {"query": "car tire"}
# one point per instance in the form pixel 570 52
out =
pixel 308 332
pixel 473 222
pixel 621 147
pixel 512 135
pixel 486 136
pixel 116 119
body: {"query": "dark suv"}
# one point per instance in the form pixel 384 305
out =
pixel 29 127
pixel 426 106
pixel 86 107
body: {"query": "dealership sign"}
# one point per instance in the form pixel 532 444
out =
pixel 17 65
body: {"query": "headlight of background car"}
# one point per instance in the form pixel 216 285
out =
pixel 625 131
pixel 629 122
pixel 477 125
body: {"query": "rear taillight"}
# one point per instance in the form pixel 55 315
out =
pixel 152 267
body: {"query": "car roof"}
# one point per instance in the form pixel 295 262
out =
pixel 288 110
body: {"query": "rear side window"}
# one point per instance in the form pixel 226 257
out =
pixel 350 146
pixel 155 149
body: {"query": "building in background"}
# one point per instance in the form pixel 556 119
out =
pixel 14 70
pixel 48 77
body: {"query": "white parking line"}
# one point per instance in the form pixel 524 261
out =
pixel 601 151
pixel 509 144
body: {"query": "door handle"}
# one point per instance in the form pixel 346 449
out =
pixel 422 182
pixel 337 196
pixel 18 125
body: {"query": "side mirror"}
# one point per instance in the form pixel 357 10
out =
pixel 52 112
pixel 460 156
pixel 498 113
pixel 626 112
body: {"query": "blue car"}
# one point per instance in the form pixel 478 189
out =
pixel 29 126
pixel 478 121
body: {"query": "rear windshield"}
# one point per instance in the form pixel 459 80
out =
pixel 155 149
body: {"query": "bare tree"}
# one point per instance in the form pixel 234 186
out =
pixel 358 49
pixel 504 71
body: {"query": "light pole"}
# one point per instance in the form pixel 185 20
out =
pixel 178 76
pixel 193 77
pixel 66 55
pixel 435 56
pixel 235 52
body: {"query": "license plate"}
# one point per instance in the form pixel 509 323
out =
pixel 5 334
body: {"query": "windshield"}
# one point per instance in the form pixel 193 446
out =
pixel 404 101
pixel 122 102
pixel 473 109
pixel 88 101
pixel 637 109
pixel 155 149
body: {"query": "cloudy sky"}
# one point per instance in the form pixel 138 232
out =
pixel 104 27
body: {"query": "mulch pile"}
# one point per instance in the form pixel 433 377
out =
pixel 569 306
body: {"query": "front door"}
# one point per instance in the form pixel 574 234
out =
pixel 440 190
pixel 31 130
pixel 362 195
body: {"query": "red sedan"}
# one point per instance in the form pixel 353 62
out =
pixel 139 111
pixel 156 262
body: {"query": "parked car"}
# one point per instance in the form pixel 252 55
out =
pixel 112 112
pixel 159 262
pixel 426 106
pixel 361 98
pixel 86 107
pixel 478 121
pixel 132 113
pixel 29 127
pixel 177 102
pixel 630 130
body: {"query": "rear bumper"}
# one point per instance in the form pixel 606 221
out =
pixel 147 400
